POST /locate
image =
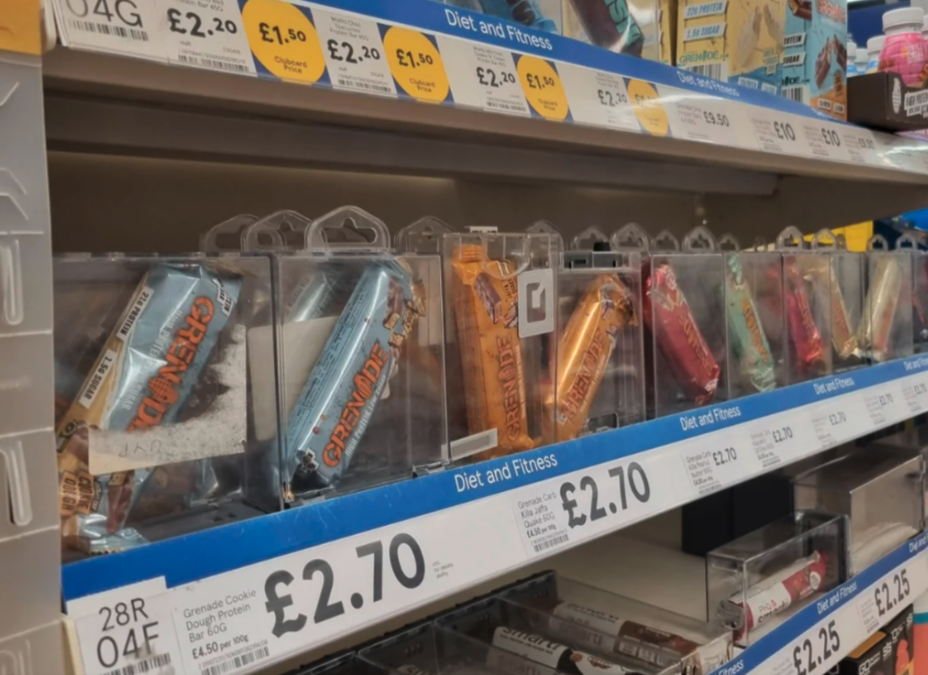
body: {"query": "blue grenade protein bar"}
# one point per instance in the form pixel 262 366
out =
pixel 338 400
pixel 141 380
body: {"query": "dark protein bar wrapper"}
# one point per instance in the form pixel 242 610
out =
pixel 678 337
pixel 347 381
pixel 142 380
pixel 548 653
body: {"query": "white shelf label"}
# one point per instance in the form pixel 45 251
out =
pixel 482 76
pixel 823 140
pixel 128 27
pixel 207 34
pixel 776 131
pixel 783 438
pixel 719 459
pixel 885 404
pixel 130 634
pixel 915 393
pixel 862 145
pixel 597 98
pixel 706 119
pixel 354 53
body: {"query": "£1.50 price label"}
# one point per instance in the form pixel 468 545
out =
pixel 283 40
pixel 207 37
pixel 650 113
pixel 542 88
pixel 416 64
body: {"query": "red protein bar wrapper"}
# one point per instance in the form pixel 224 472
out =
pixel 773 596
pixel 804 334
pixel 670 320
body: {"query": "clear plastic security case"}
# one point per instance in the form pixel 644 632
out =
pixel 360 365
pixel 684 299
pixel 756 581
pixel 885 331
pixel 755 318
pixel 601 620
pixel 500 322
pixel 806 306
pixel 426 649
pixel 881 493
pixel 158 414
pixel 600 382
pixel 506 628
pixel 842 287
pixel 919 301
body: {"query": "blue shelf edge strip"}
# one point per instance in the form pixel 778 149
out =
pixel 435 17
pixel 811 615
pixel 192 557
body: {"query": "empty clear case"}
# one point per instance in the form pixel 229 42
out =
pixel 501 341
pixel 360 365
pixel 807 307
pixel 885 331
pixel 881 493
pixel 600 360
pixel 756 581
pixel 754 314
pixel 684 300
pixel 506 628
pixel 592 617
pixel 158 415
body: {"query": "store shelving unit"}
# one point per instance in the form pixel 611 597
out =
pixel 669 138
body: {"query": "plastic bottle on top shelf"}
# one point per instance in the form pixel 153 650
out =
pixel 851 60
pixel 861 60
pixel 874 47
pixel 904 49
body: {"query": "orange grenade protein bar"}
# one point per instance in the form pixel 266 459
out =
pixel 141 380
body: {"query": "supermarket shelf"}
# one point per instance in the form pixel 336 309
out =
pixel 439 527
pixel 640 571
pixel 669 134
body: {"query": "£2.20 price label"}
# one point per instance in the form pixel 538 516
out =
pixel 209 37
pixel 283 40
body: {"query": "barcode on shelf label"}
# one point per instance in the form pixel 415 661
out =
pixel 551 543
pixel 215 64
pixel 360 84
pixel 104 29
pixel 236 662
pixel 125 27
pixel 147 666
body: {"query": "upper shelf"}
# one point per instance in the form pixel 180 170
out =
pixel 441 90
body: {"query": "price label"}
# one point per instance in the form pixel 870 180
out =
pixel 903 154
pixel 818 649
pixel 706 119
pixel 133 634
pixel 242 620
pixel 482 76
pixel 861 145
pixel 646 102
pixel 776 132
pixel 542 88
pixel 781 438
pixel 127 27
pixel 718 459
pixel 597 98
pixel 416 64
pixel 354 53
pixel 210 37
pixel 283 40
pixel 832 424
pixel 892 593
pixel 823 140
pixel 915 392
pixel 885 405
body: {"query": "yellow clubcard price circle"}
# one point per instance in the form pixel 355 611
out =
pixel 648 109
pixel 542 88
pixel 284 40
pixel 416 64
